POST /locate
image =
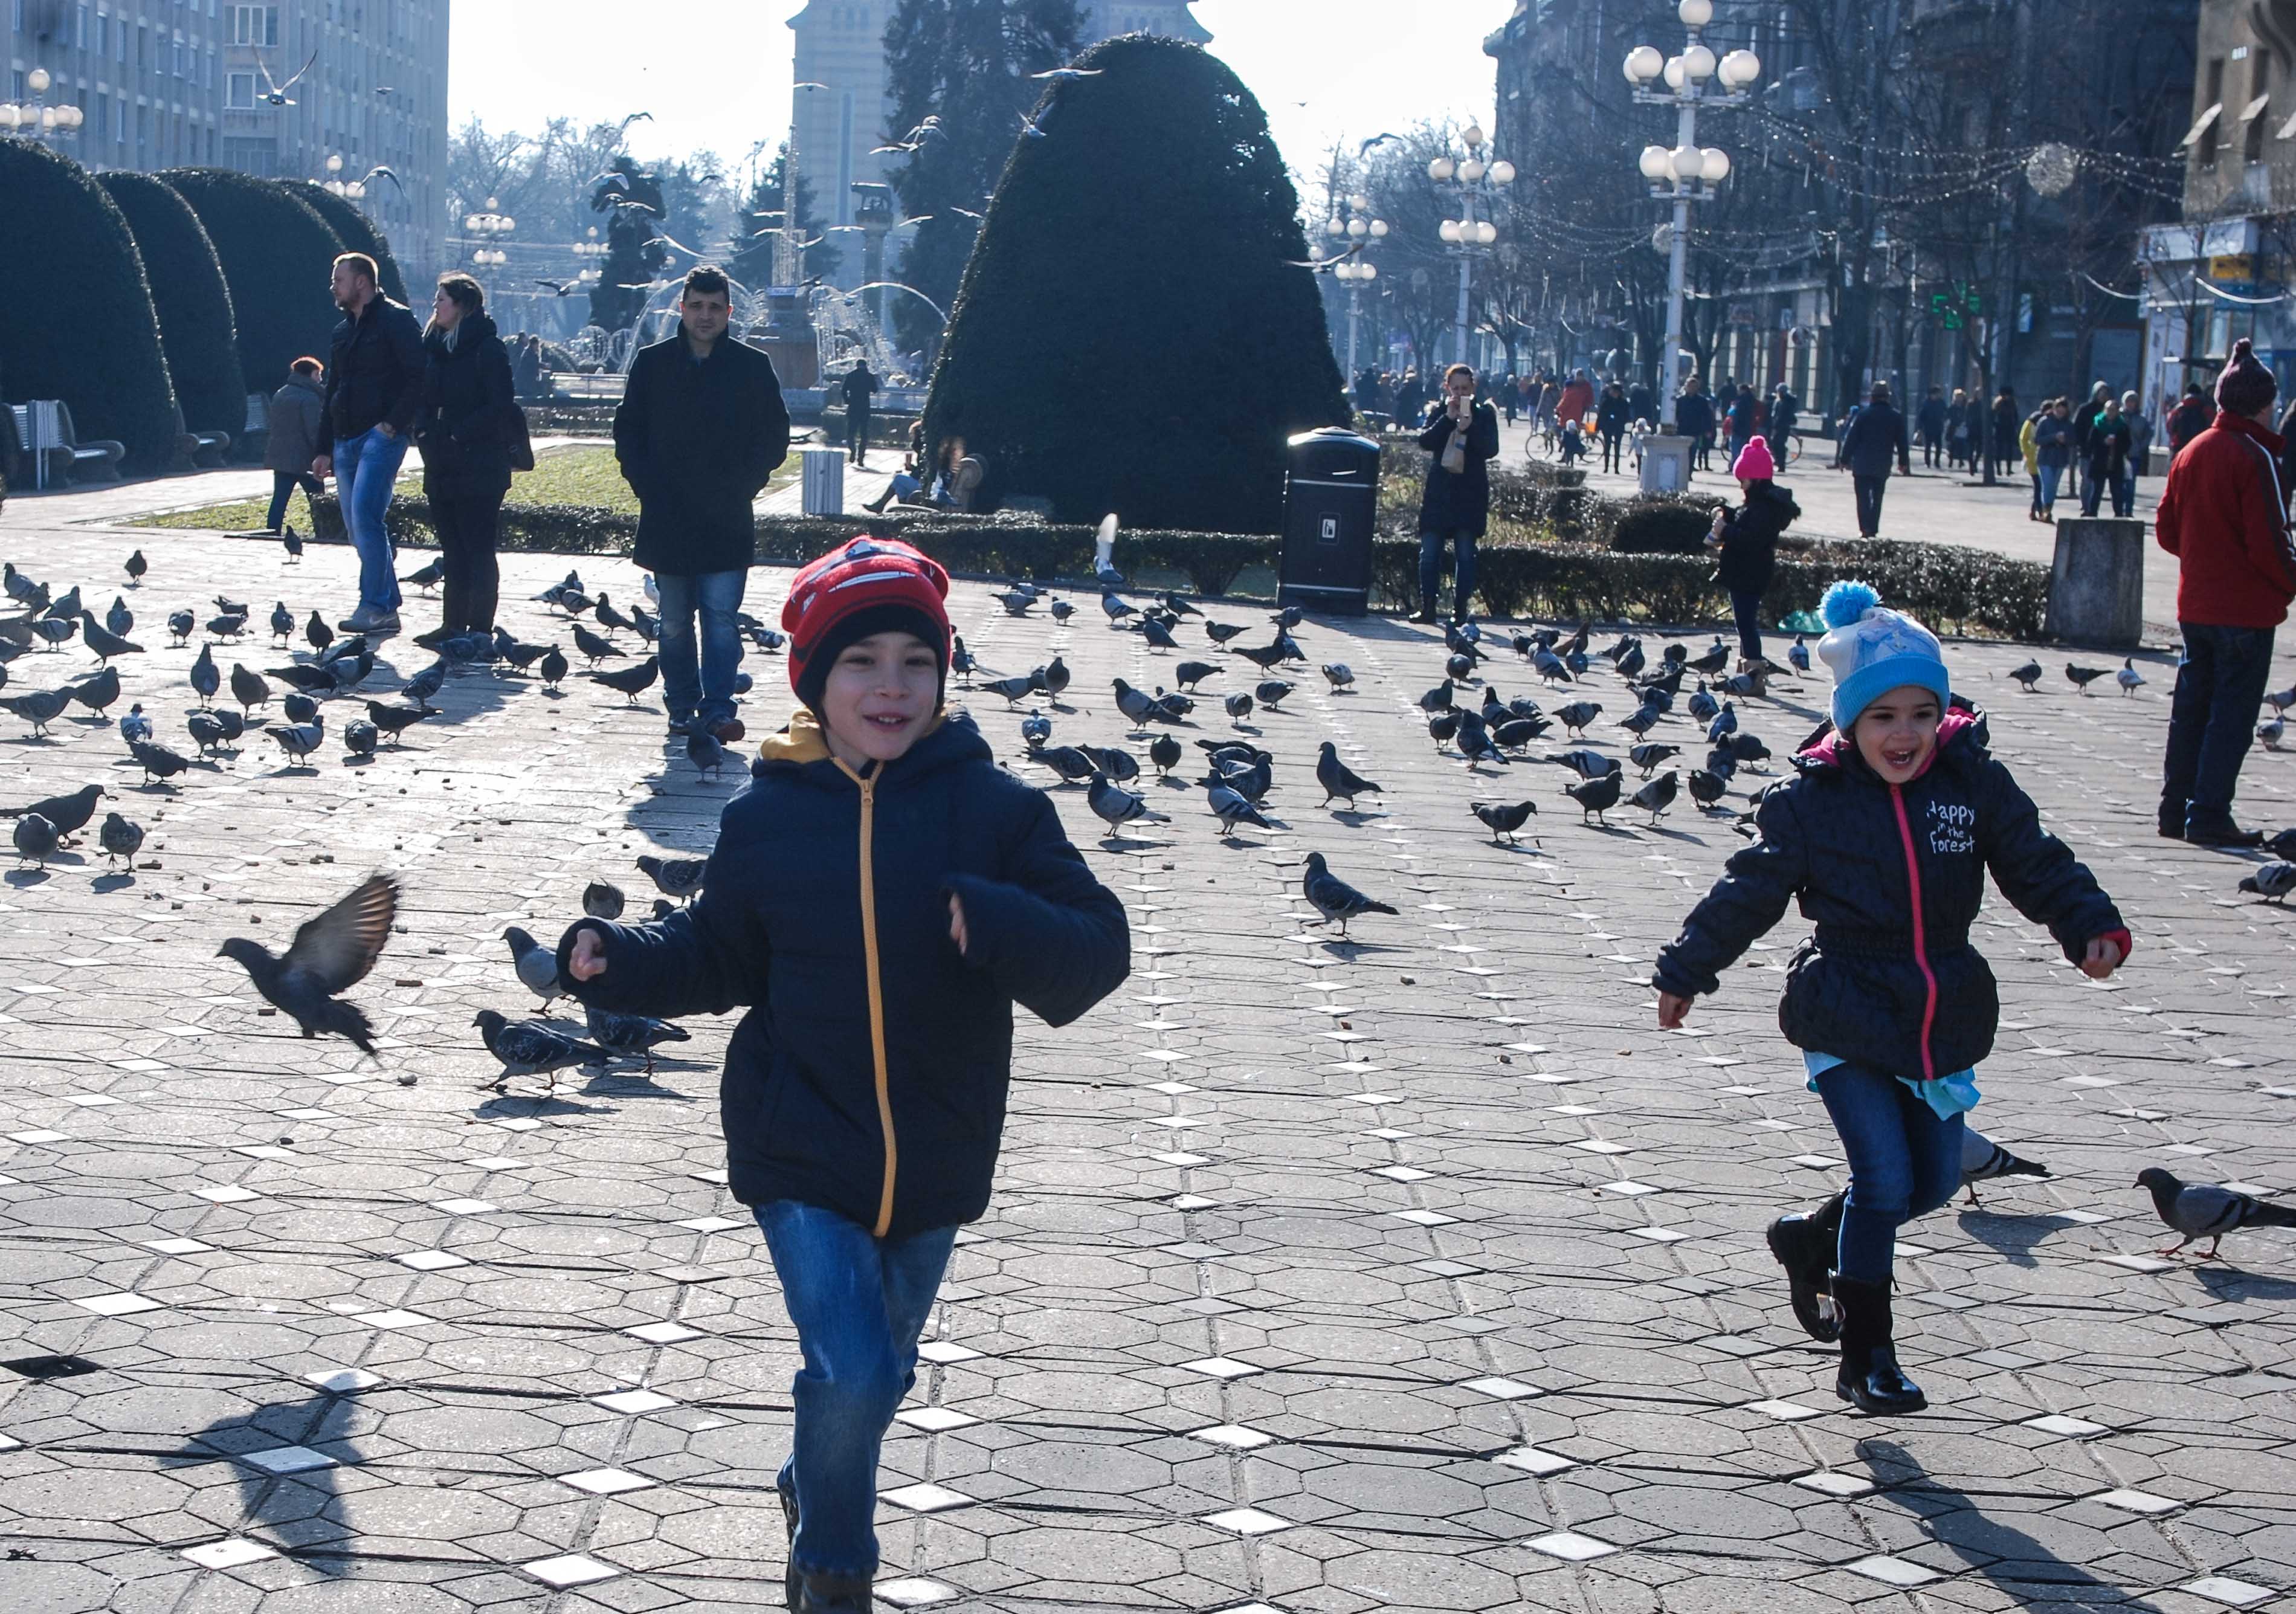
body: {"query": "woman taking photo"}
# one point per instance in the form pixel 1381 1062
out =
pixel 464 431
pixel 1748 538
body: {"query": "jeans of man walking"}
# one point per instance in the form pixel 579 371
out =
pixel 366 467
pixel 1904 1161
pixel 283 484
pixel 1462 572
pixel 1869 490
pixel 2051 475
pixel 2124 495
pixel 699 689
pixel 858 1304
pixel 2211 722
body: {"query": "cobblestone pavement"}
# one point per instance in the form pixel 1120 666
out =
pixel 1418 1272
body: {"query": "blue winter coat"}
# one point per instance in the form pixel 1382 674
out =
pixel 869 1074
pixel 1876 866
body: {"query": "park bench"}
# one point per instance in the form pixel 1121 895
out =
pixel 48 421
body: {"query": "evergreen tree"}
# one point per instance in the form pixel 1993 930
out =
pixel 752 263
pixel 1132 333
pixel 198 331
pixel 964 64
pixel 277 255
pixel 358 233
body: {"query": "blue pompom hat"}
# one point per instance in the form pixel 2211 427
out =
pixel 1872 650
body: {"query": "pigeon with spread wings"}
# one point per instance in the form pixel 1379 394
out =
pixel 329 954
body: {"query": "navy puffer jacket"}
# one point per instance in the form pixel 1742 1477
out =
pixel 869 1074
pixel 1878 867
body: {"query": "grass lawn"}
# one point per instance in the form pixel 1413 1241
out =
pixel 580 474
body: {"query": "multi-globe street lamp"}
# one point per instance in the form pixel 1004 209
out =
pixel 489 226
pixel 1473 181
pixel 1686 172
pixel 1359 230
pixel 349 190
pixel 35 118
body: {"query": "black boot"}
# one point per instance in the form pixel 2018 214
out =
pixel 792 1580
pixel 1425 613
pixel 1870 1376
pixel 1805 1246
pixel 834 1594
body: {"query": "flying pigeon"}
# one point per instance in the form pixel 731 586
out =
pixel 329 954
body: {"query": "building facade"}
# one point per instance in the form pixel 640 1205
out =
pixel 165 84
pixel 840 45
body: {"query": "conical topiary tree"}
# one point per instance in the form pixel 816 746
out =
pixel 277 254
pixel 76 317
pixel 357 232
pixel 196 325
pixel 1131 334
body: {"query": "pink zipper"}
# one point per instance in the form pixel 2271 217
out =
pixel 1920 939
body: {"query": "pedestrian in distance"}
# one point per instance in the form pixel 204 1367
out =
pixel 1743 418
pixel 2191 417
pixel 2085 415
pixel 858 389
pixel 1778 423
pixel 1747 541
pixel 1577 401
pixel 1693 418
pixel 1507 393
pixel 1610 417
pixel 1874 436
pixel 2052 449
pixel 1929 426
pixel 1642 404
pixel 2140 452
pixel 296 435
pixel 1885 835
pixel 699 431
pixel 2029 445
pixel 879 899
pixel 2107 460
pixel 468 422
pixel 1462 436
pixel 1956 430
pixel 2224 515
pixel 374 386
pixel 2005 422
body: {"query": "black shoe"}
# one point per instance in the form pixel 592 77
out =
pixel 792 1579
pixel 1425 613
pixel 436 637
pixel 1804 1245
pixel 2227 836
pixel 2170 832
pixel 834 1594
pixel 1870 1377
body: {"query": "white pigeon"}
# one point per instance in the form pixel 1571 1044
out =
pixel 2130 679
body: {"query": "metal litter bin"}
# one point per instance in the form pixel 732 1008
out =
pixel 825 481
pixel 1331 495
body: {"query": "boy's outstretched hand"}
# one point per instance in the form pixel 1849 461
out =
pixel 1671 1011
pixel 587 961
pixel 2101 959
pixel 956 922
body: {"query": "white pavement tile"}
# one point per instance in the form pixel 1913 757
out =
pixel 1570 1546
pixel 572 1569
pixel 228 1553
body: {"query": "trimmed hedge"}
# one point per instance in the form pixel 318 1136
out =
pixel 198 328
pixel 277 254
pixel 75 316
pixel 1662 524
pixel 357 234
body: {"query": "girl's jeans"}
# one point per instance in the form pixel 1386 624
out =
pixel 1904 1161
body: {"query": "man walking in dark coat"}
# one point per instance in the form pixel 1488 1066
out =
pixel 1462 436
pixel 1876 435
pixel 374 387
pixel 700 428
pixel 1693 418
pixel 860 387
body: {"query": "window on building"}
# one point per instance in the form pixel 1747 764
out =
pixel 2260 96
pixel 2211 130
pixel 255 25
pixel 239 91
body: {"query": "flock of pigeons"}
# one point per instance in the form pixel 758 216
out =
pixel 338 949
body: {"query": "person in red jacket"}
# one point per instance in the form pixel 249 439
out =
pixel 2224 515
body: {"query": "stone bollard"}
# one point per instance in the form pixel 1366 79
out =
pixel 2096 583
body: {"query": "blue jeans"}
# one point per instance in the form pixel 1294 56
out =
pixel 2051 475
pixel 2211 720
pixel 1431 569
pixel 283 484
pixel 2124 495
pixel 705 690
pixel 366 468
pixel 858 1304
pixel 1904 1161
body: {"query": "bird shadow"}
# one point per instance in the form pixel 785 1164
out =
pixel 1352 948
pixel 1695 839
pixel 117 880
pixel 294 769
pixel 1617 831
pixel 24 879
pixel 297 1506
pixel 635 1083
pixel 2224 1283
pixel 2014 1238
pixel 1127 843
pixel 360 761
pixel 1354 817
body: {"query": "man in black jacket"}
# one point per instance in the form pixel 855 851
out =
pixel 374 387
pixel 1876 435
pixel 860 387
pixel 700 428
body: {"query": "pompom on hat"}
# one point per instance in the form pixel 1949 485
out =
pixel 1871 649
pixel 1754 462
pixel 2245 385
pixel 867 586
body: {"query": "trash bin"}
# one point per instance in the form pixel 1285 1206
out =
pixel 2097 583
pixel 825 481
pixel 1331 495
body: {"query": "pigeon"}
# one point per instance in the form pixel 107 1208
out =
pixel 1237 706
pixel 1575 717
pixel 1441 726
pixel 1503 820
pixel 296 706
pixel 1189 674
pixel 1648 755
pixel 2129 677
pixel 428 578
pixel 1338 779
pixel 1797 652
pixel 66 604
pixel 552 667
pixel 1179 605
pixel 607 616
pixel 537 966
pixel 2271 731
pixel 1036 728
pixel 600 900
pixel 2275 882
pixel 592 646
pixel 531 1048
pixel 2028 675
pixel 1982 1159
pixel 283 622
pixel 1460 669
pixel 311 677
pixel 1014 689
pixel 329 954
pixel 227 626
pixel 1657 795
pixel 1640 723
pixel 1116 762
pixel 1474 741
pixel 360 737
pixel 1438 698
pixel 1551 667
pixel 1713 661
pixel 1158 635
pixel 35 840
pixel 649 628
pixel 1016 602
pixel 1336 900
pixel 180 624
pixel 1056 676
pixel 1135 706
pixel 1063 610
pixel 205 677
pixel 104 641
pixel 1165 752
pixel 630 682
pixel 66 815
pixel 136 566
pixel 1114 805
pixel 1596 796
pixel 317 633
pixel 2083 675
pixel 38 707
pixel 633 1035
pixel 136 726
pixel 677 877
pixel 120 837
pixel 250 690
pixel 1117 610
pixel 425 684
pixel 2282 699
pixel 394 720
pixel 1073 764
pixel 1231 808
pixel 1220 632
pixel 1745 748
pixel 291 542
pixel 703 750
pixel 1270 693
pixel 98 692
pixel 298 739
pixel 1706 789
pixel 1587 764
pixel 2203 1210
pixel 1726 722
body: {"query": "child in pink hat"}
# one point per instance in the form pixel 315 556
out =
pixel 1748 538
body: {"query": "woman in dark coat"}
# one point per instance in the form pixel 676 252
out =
pixel 1458 498
pixel 464 431
pixel 1610 417
pixel 1748 538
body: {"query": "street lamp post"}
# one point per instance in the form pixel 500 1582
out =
pixel 1687 173
pixel 490 227
pixel 1359 230
pixel 35 118
pixel 1472 180
pixel 349 190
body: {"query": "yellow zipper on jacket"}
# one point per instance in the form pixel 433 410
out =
pixel 876 996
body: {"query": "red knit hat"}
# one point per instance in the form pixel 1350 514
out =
pixel 2244 385
pixel 867 586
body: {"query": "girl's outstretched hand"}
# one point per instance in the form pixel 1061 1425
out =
pixel 2101 959
pixel 587 961
pixel 1671 1011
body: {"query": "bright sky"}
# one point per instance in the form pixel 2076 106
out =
pixel 718 77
